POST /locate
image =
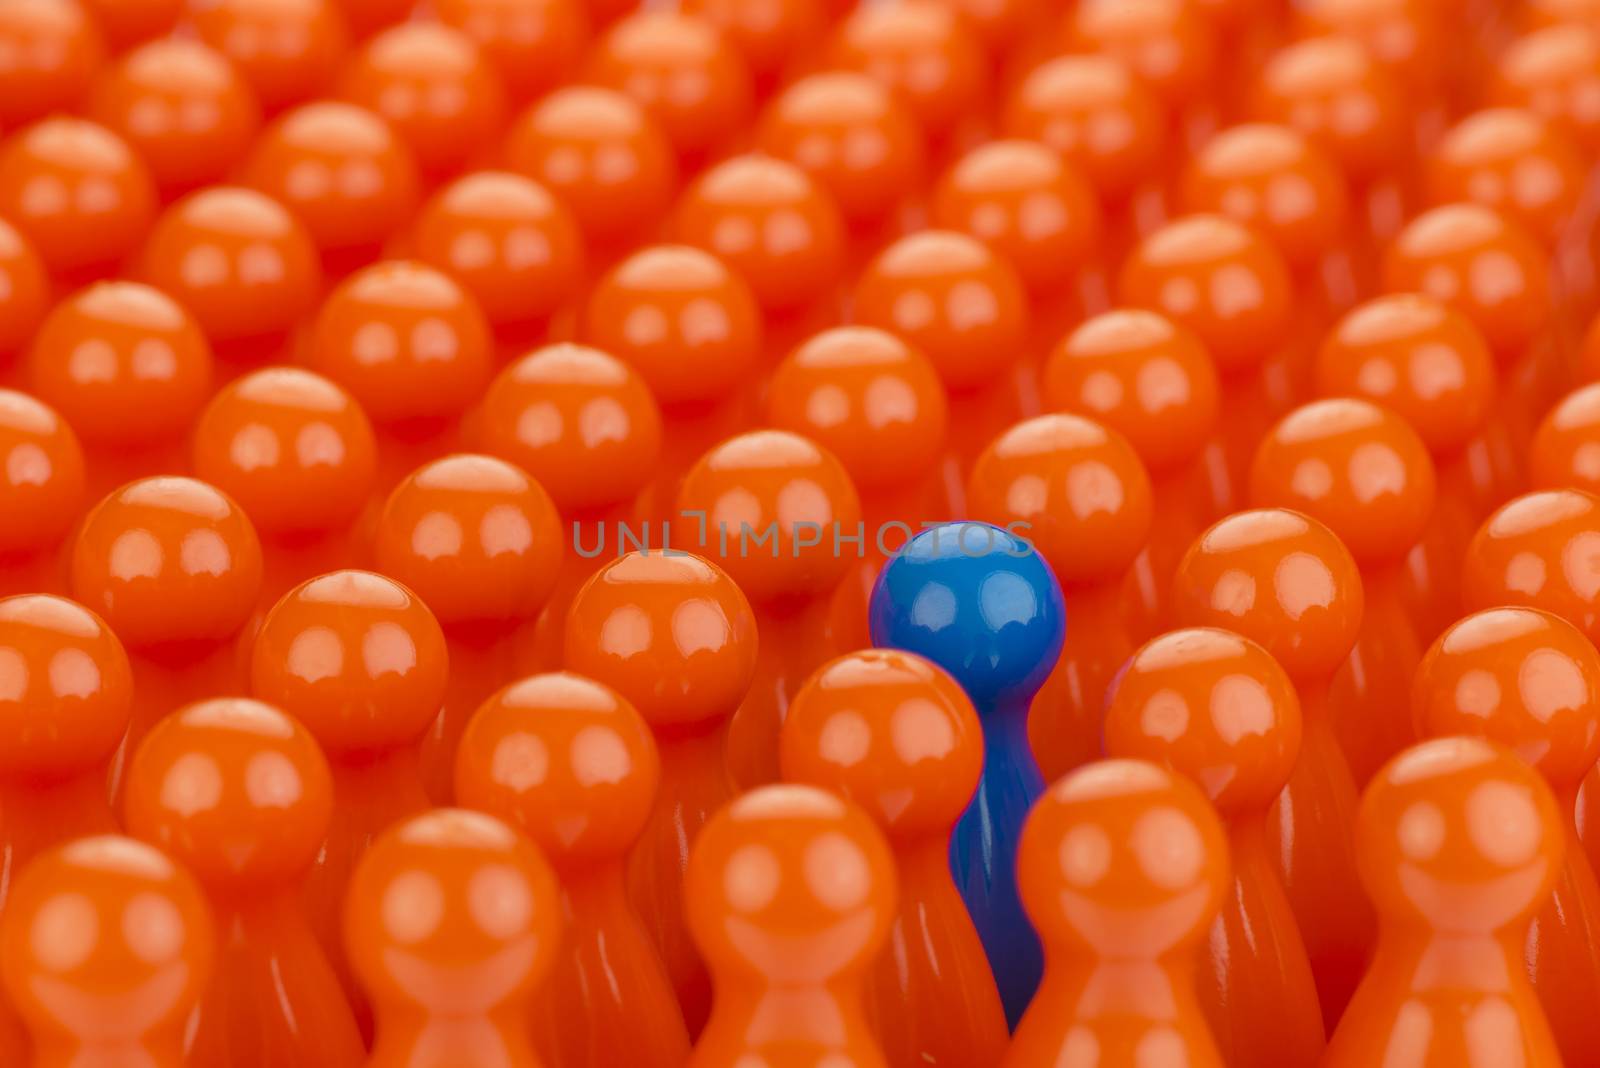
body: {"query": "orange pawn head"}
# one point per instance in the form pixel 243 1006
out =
pixel 66 692
pixel 235 789
pixel 475 537
pixel 1218 278
pixel 295 450
pixel 952 297
pixel 1539 550
pixel 1274 179
pixel 1073 488
pixel 1513 161
pixel 357 657
pixel 567 760
pixel 107 945
pixel 1521 677
pixel 681 318
pixel 1141 375
pixel 772 223
pixel 1419 358
pixel 1566 447
pixel 925 54
pixel 1357 468
pixel 673 635
pixel 239 262
pixel 41 475
pixel 772 479
pixel 1482 264
pixel 168 561
pixel 1279 578
pixel 1213 706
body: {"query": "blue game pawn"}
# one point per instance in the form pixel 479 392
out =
pixel 982 604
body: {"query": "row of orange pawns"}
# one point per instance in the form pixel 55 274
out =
pixel 903 413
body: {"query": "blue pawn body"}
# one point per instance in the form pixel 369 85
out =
pixel 982 604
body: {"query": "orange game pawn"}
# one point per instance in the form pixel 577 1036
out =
pixel 242 265
pixel 1426 362
pixel 107 946
pixel 1150 380
pixel 878 405
pixel 964 307
pixel 1459 843
pixel 1531 682
pixel 674 635
pixel 68 692
pixel 129 369
pixel 298 454
pixel 1534 551
pixel 859 142
pixel 452 923
pixel 1286 582
pixel 774 509
pixel 174 566
pixel 480 542
pixel 692 329
pixel 775 225
pixel 510 244
pixel 1216 708
pixel 603 156
pixel 585 426
pixel 343 171
pixel 896 735
pixel 413 347
pixel 574 766
pixel 41 493
pixel 361 662
pixel 791 893
pixel 1122 866
pixel 1565 451
pixel 1364 473
pixel 1079 494
pixel 240 794
pixel 1228 285
pixel 1107 122
pixel 1446 253
pixel 683 71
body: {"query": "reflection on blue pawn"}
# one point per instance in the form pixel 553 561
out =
pixel 982 604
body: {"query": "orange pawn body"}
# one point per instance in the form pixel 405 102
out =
pixel 574 765
pixel 107 945
pixel 790 892
pixel 675 636
pixel 1286 582
pixel 898 736
pixel 1121 866
pixel 1459 842
pixel 451 924
pixel 1217 708
pixel 241 794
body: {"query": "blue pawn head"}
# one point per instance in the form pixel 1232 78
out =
pixel 978 601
